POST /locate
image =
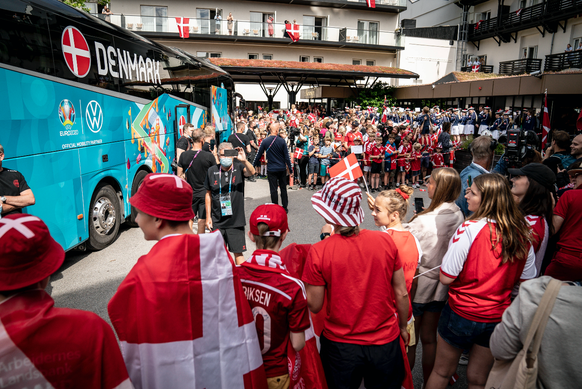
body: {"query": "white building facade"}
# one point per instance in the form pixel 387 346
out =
pixel 334 31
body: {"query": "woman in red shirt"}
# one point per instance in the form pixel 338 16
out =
pixel 488 255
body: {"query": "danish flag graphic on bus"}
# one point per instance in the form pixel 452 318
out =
pixel 76 51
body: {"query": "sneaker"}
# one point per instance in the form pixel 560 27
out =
pixel 397 184
pixel 464 360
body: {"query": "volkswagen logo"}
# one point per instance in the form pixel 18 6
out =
pixel 94 116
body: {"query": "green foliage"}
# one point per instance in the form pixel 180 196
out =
pixel 374 96
pixel 80 4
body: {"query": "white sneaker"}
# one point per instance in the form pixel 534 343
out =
pixel 397 184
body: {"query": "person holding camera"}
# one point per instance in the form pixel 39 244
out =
pixel 225 191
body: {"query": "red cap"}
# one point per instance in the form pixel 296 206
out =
pixel 272 215
pixel 165 196
pixel 28 253
pixel 338 137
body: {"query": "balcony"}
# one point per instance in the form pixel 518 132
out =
pixel 520 66
pixel 546 16
pixel 260 32
pixel 392 6
pixel 484 69
pixel 563 61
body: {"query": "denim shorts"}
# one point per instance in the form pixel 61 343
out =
pixel 463 333
pixel 434 306
pixel 313 168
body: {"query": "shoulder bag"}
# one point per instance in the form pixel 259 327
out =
pixel 522 372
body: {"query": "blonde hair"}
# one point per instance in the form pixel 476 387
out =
pixel 497 204
pixel 417 146
pixel 395 202
pixel 265 242
pixel 448 188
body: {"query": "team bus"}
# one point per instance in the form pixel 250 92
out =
pixel 87 109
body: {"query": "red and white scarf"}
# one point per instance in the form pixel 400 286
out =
pixel 266 260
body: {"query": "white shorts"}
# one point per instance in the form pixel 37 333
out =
pixel 367 168
pixel 469 129
pixel 483 127
pixel 461 129
pixel 495 134
pixel 455 130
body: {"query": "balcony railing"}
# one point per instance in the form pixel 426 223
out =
pixel 256 29
pixel 562 61
pixel 545 13
pixel 520 66
pixel 483 69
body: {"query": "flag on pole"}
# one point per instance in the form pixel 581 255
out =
pixel 183 27
pixel 179 334
pixel 298 153
pixel 347 168
pixel 545 122
pixel 384 116
pixel 371 3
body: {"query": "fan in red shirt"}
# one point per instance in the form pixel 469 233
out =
pixel 415 158
pixel 403 153
pixel 278 300
pixel 377 156
pixel 351 135
pixel 359 274
pixel 437 158
pixel 488 255
pixel 44 346
pixel 532 188
pixel 566 264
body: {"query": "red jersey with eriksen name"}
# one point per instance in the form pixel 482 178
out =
pixel 279 305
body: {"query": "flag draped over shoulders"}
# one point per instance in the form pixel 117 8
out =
pixel 46 347
pixel 183 320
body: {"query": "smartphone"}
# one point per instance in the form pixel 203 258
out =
pixel 230 153
pixel 418 204
pixel 470 181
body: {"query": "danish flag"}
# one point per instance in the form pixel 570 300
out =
pixel 292 31
pixel 298 153
pixel 18 225
pixel 183 27
pixel 371 3
pixel 76 51
pixel 347 168
pixel 181 124
pixel 545 122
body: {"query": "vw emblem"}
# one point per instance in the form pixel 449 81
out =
pixel 94 116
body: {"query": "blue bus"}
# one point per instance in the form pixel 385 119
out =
pixel 87 109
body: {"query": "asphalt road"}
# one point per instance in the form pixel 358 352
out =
pixel 88 280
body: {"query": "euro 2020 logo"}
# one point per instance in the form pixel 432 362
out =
pixel 67 114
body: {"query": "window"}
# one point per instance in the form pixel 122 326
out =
pixel 205 20
pixel 202 54
pixel 370 62
pixel 368 32
pixel 576 42
pixel 318 59
pixel 215 55
pixel 303 58
pixel 268 57
pixel 154 18
pixel 529 52
pixel 253 56
pixel 485 15
pixel 314 28
pixel 259 24
pixel 356 61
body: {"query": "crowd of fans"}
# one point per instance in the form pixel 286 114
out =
pixel 464 275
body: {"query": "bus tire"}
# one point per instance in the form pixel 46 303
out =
pixel 104 218
pixel 137 181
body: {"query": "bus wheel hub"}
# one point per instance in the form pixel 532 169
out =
pixel 103 216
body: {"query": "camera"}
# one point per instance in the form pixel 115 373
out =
pixel 519 146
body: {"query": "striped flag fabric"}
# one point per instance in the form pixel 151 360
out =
pixel 183 27
pixel 545 122
pixel 183 320
pixel 371 3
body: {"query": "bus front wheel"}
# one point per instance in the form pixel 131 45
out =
pixel 105 218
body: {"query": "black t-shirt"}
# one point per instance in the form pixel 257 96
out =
pixel 239 140
pixel 196 173
pixel 183 143
pixel 237 194
pixel 12 183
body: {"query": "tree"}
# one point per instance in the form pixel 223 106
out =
pixel 374 96
pixel 80 4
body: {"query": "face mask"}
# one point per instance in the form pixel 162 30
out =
pixel 226 162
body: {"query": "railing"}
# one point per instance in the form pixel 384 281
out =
pixel 483 69
pixel 557 62
pixel 394 3
pixel 520 66
pixel 252 29
pixel 547 11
